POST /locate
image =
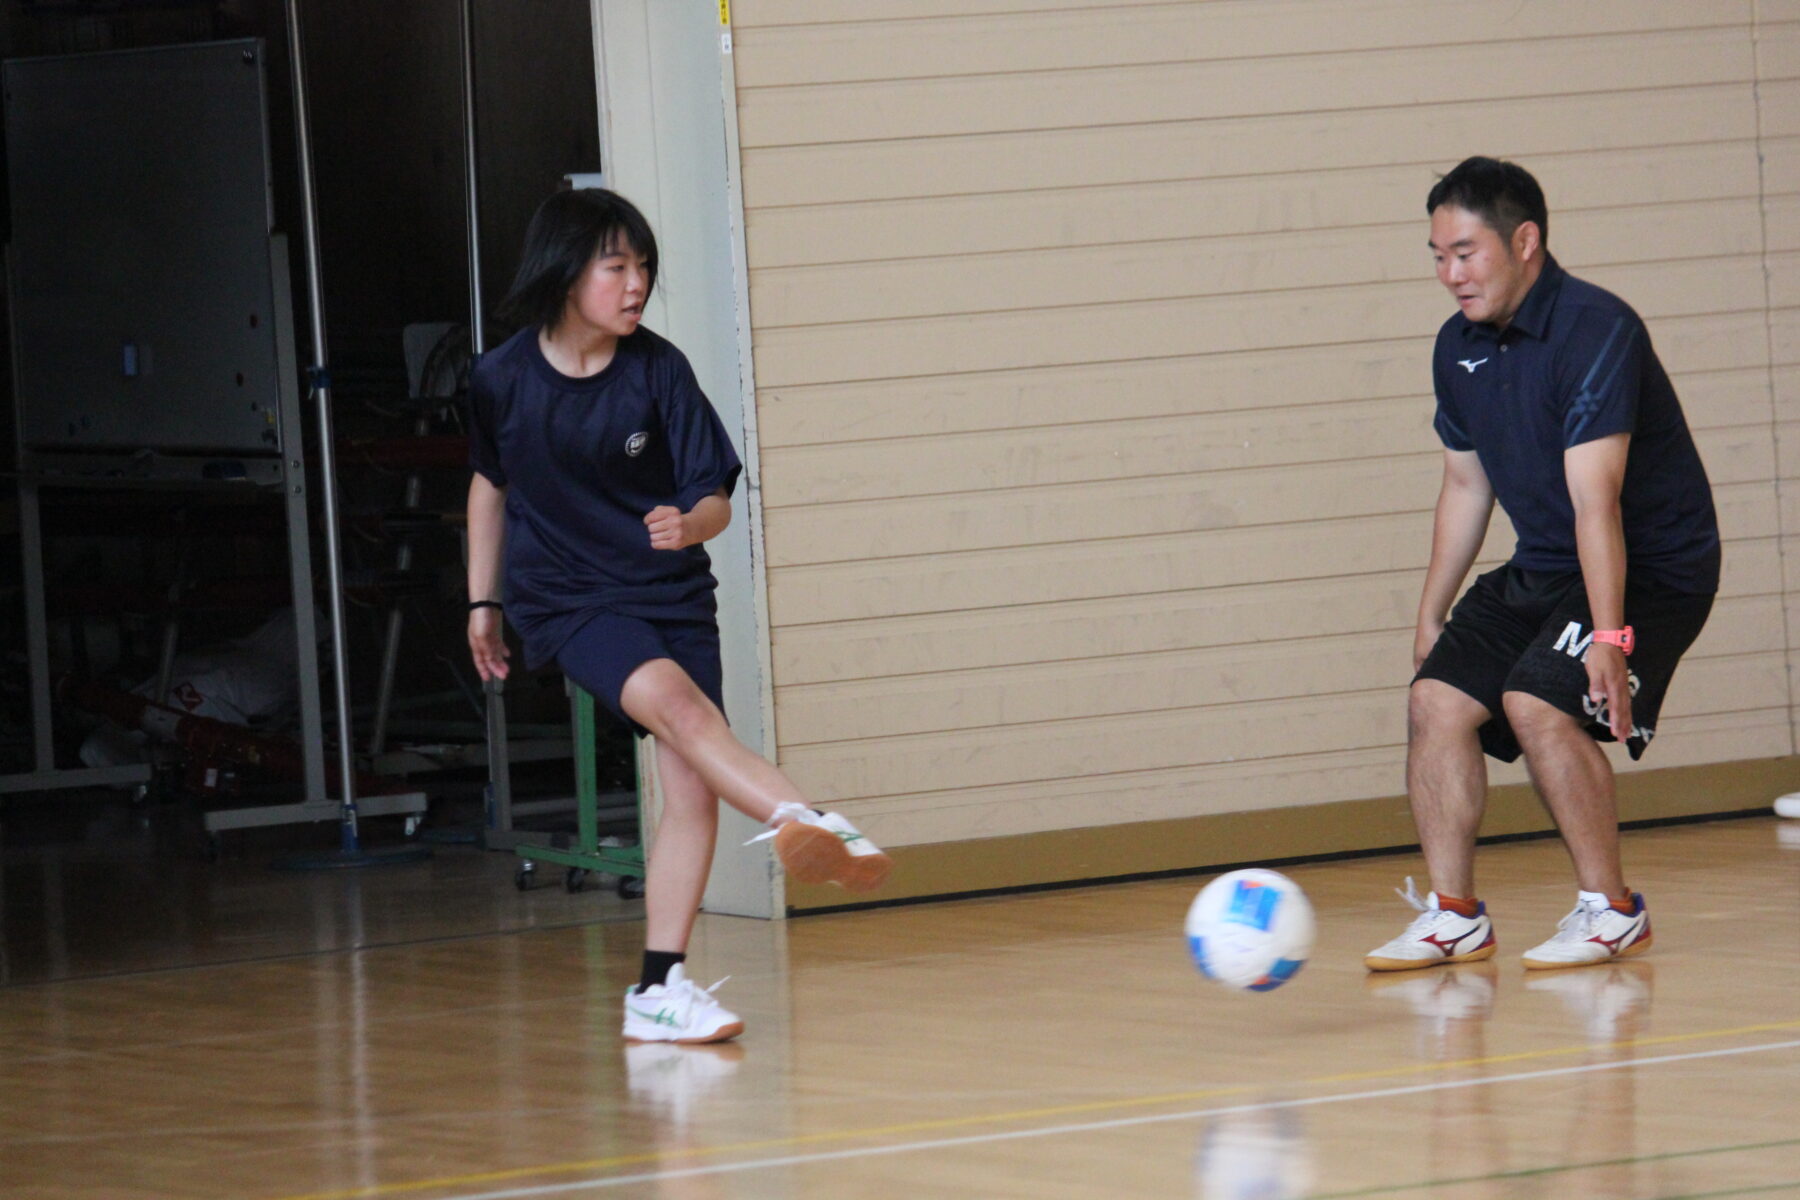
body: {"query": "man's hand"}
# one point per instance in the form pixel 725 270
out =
pixel 1428 633
pixel 669 528
pixel 487 643
pixel 1609 685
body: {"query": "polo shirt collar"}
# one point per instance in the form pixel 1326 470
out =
pixel 1533 316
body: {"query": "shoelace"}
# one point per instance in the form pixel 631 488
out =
pixel 699 994
pixel 787 808
pixel 1427 917
pixel 1578 926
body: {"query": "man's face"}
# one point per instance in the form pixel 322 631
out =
pixel 1488 275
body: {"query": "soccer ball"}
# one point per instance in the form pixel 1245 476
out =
pixel 1250 929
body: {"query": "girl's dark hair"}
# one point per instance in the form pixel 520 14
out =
pixel 1503 194
pixel 565 234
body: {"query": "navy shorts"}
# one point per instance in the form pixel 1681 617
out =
pixel 602 654
pixel 1528 631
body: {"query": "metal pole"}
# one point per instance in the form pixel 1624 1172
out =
pixel 472 197
pixel 37 624
pixel 390 652
pixel 497 824
pixel 321 388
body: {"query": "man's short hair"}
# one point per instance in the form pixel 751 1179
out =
pixel 566 233
pixel 1502 194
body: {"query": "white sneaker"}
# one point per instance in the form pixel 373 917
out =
pixel 677 1011
pixel 1437 935
pixel 825 848
pixel 1594 932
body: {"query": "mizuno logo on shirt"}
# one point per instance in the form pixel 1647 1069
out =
pixel 1469 364
pixel 634 445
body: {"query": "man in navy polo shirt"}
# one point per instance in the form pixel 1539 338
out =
pixel 1550 400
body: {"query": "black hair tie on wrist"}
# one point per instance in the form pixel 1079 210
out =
pixel 475 604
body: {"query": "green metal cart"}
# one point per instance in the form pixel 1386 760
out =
pixel 584 851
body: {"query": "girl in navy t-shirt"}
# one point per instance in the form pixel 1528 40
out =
pixel 600 472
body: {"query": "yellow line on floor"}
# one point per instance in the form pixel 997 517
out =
pixel 1030 1114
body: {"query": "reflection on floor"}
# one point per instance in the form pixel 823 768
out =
pixel 1049 1045
pixel 102 887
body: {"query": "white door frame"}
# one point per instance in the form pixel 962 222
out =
pixel 669 143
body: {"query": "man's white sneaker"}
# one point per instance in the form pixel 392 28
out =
pixel 1594 932
pixel 678 1011
pixel 825 848
pixel 1436 935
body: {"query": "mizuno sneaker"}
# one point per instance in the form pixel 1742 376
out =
pixel 1437 935
pixel 677 1011
pixel 1594 932
pixel 825 848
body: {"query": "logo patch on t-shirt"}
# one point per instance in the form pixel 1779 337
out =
pixel 634 445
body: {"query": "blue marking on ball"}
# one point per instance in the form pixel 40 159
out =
pixel 1283 970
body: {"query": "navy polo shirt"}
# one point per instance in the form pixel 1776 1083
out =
pixel 583 461
pixel 1575 364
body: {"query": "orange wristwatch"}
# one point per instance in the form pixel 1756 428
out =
pixel 1624 639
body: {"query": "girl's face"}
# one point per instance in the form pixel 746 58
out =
pixel 609 295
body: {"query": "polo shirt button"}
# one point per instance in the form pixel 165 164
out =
pixel 1503 349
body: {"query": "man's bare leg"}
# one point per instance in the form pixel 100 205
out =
pixel 1574 778
pixel 1446 781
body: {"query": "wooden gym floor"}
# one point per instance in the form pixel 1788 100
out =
pixel 1048 1045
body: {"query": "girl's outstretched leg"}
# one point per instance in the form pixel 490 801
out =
pixel 815 847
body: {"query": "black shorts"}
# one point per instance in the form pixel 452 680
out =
pixel 602 654
pixel 1528 631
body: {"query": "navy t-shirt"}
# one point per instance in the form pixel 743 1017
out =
pixel 1574 365
pixel 583 461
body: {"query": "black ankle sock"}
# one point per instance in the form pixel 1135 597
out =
pixel 656 967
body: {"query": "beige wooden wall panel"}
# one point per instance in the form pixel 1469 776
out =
pixel 1300 143
pixel 1065 749
pixel 1039 455
pixel 1295 779
pixel 1092 349
pixel 1158 562
pixel 1214 266
pixel 1778 59
pixel 989 697
pixel 1125 214
pixel 849 48
pixel 1009 101
pixel 1071 334
pixel 833 416
pixel 1107 511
